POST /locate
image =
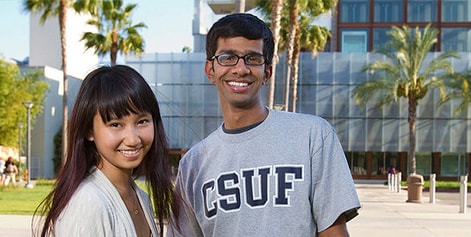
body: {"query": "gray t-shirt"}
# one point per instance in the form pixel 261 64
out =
pixel 287 176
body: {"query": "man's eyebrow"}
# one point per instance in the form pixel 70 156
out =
pixel 231 51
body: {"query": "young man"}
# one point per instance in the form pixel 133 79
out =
pixel 262 172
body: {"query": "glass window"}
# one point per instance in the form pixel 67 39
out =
pixel 456 10
pixel 354 11
pixel 354 41
pixel 357 162
pixel 380 37
pixel 422 10
pixel 382 161
pixel 388 11
pixel 423 162
pixel 452 164
pixel 458 39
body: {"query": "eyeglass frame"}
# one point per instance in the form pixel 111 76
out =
pixel 238 58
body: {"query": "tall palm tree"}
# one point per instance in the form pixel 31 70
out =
pixel 460 84
pixel 52 8
pixel 116 32
pixel 273 8
pixel 297 16
pixel 293 28
pixel 404 74
pixel 309 37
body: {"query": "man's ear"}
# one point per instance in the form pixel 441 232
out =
pixel 209 70
pixel 267 73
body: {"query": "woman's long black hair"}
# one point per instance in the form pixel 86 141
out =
pixel 114 92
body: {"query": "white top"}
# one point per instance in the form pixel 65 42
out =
pixel 96 209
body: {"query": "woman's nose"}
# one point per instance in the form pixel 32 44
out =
pixel 132 137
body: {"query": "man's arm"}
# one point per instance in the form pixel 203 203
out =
pixel 338 229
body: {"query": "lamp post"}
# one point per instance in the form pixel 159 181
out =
pixel 20 128
pixel 28 105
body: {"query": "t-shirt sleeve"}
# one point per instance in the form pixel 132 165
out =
pixel 333 191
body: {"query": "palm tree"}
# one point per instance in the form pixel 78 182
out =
pixel 403 74
pixel 460 84
pixel 51 8
pixel 297 16
pixel 311 38
pixel 274 9
pixel 116 31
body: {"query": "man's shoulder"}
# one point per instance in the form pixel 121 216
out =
pixel 300 118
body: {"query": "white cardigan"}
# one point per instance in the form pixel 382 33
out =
pixel 96 209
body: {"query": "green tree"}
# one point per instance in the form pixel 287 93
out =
pixel 459 83
pixel 48 9
pixel 403 73
pixel 186 49
pixel 14 85
pixel 116 31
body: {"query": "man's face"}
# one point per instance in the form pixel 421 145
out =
pixel 239 85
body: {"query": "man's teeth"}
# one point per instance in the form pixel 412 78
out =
pixel 239 84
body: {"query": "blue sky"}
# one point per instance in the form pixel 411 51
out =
pixel 168 26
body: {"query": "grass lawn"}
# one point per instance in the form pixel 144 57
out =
pixel 21 200
pixel 442 186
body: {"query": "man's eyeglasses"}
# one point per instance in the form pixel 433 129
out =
pixel 233 59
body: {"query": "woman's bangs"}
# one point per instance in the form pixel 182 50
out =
pixel 116 106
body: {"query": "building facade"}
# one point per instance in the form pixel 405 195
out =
pixel 373 139
pixel 361 25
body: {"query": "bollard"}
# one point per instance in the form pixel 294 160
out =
pixel 393 182
pixel 432 187
pixel 390 182
pixel 463 193
pixel 398 182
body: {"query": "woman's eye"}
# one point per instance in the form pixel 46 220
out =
pixel 115 125
pixel 144 121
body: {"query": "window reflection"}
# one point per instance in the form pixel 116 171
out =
pixel 388 10
pixel 422 10
pixel 354 10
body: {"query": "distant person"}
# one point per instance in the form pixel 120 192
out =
pixel 10 172
pixel 392 170
pixel 115 135
pixel 262 172
pixel 2 170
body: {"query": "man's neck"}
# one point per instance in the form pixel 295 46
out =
pixel 235 118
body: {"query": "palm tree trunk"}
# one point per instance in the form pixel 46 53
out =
pixel 65 111
pixel 276 18
pixel 294 75
pixel 114 47
pixel 240 6
pixel 412 119
pixel 293 19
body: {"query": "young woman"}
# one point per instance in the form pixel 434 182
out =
pixel 115 135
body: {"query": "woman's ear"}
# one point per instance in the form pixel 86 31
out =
pixel 90 136
pixel 209 70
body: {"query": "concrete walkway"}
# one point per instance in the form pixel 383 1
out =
pixel 384 213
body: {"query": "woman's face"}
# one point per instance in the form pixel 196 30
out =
pixel 122 143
